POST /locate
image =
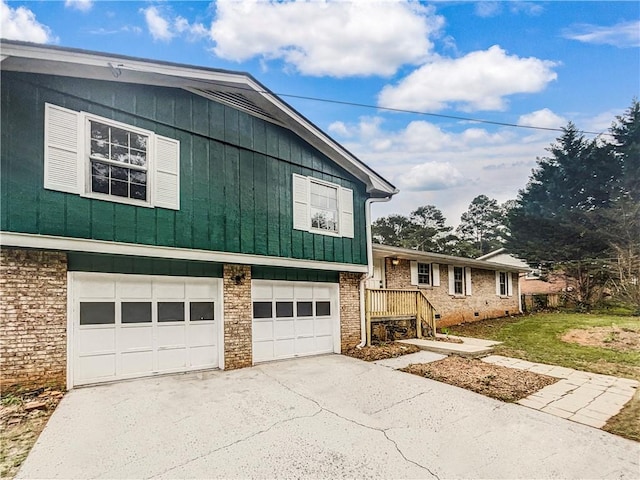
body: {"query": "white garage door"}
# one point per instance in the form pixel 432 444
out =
pixel 127 326
pixel 292 319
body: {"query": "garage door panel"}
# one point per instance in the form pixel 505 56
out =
pixel 202 290
pixel 261 292
pixel 283 292
pixel 96 340
pixel 305 345
pixel 172 359
pixel 263 330
pixel 171 335
pixel 324 325
pixel 321 293
pixel 96 367
pixel 135 338
pixel 169 290
pixel 96 289
pixel 133 289
pixel 203 356
pixel 284 328
pixel 136 363
pixel 203 334
pixel 262 351
pixel 284 348
pixel 304 292
pixel 324 344
pixel 304 326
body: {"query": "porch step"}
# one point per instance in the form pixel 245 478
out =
pixel 470 347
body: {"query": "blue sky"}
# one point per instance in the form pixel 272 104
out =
pixel 527 63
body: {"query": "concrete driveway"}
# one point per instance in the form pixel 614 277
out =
pixel 322 417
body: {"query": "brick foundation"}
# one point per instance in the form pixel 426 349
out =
pixel 33 314
pixel 455 310
pixel 238 317
pixel 349 310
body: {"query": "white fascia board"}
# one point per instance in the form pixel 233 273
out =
pixel 50 242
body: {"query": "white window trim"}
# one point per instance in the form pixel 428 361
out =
pixel 302 207
pixel 467 287
pixel 434 274
pixel 67 166
pixel 508 285
pixel 86 192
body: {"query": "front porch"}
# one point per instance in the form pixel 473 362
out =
pixel 395 305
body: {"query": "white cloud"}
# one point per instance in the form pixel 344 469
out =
pixel 20 24
pixel 488 9
pixel 164 26
pixel 494 8
pixel 624 34
pixel 331 38
pixel 544 118
pixel 430 176
pixel 478 81
pixel 82 5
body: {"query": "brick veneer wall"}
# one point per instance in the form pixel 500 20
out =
pixel 33 316
pixel 238 316
pixel 349 310
pixel 456 310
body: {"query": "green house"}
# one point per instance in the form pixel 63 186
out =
pixel 162 218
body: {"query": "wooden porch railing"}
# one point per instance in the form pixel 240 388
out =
pixel 384 303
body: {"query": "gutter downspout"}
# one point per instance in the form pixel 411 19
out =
pixel 369 274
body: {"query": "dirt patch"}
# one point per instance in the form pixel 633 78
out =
pixel 614 338
pixel 506 384
pixel 382 351
pixel 446 339
pixel 22 418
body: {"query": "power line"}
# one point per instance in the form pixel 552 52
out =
pixel 439 115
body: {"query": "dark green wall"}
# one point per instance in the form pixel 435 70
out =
pixel 235 169
pixel 293 274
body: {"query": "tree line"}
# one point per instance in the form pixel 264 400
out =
pixel 579 214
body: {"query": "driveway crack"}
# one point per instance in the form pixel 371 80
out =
pixel 235 442
pixel 369 427
pixel 398 403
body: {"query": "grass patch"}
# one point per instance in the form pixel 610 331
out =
pixel 537 338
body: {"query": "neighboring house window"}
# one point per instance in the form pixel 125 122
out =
pixel 504 284
pixel 100 158
pixel 459 280
pixel 425 274
pixel 322 207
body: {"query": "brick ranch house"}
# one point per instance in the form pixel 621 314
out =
pixel 161 218
pixel 459 290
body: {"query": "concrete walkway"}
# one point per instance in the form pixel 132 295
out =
pixel 470 347
pixel 583 397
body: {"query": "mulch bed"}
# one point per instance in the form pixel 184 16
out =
pixel 381 351
pixel 502 383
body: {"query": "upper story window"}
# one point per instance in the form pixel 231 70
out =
pixel 118 161
pixel 504 284
pixel 322 207
pixel 100 158
pixel 459 280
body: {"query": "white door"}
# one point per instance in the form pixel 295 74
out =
pixel 292 319
pixel 127 326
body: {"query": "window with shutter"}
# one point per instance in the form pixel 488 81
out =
pixel 100 158
pixel 322 207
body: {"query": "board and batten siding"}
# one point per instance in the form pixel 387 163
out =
pixel 235 174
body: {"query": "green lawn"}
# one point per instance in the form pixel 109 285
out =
pixel 537 338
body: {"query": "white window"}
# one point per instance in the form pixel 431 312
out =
pixel 322 207
pixel 459 280
pixel 504 284
pixel 108 160
pixel 425 274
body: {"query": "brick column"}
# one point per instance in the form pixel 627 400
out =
pixel 238 316
pixel 33 315
pixel 349 310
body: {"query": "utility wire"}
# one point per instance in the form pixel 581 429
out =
pixel 439 115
